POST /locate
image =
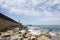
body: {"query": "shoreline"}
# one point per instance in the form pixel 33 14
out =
pixel 29 34
pixel 25 34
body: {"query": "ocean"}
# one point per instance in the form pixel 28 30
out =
pixel 36 29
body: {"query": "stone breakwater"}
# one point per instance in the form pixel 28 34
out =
pixel 26 35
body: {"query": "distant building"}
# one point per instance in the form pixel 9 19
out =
pixel 6 23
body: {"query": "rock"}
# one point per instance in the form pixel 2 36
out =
pixel 33 37
pixel 44 36
pixel 7 34
pixel 28 34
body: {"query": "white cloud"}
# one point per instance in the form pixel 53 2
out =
pixel 38 1
pixel 32 13
pixel 47 21
pixel 40 9
pixel 48 13
pixel 25 12
pixel 1 2
pixel 56 1
pixel 17 7
pixel 14 6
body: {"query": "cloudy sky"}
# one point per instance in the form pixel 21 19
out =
pixel 36 12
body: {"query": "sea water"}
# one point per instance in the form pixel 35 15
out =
pixel 36 29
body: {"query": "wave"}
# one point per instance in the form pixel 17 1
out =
pixel 37 30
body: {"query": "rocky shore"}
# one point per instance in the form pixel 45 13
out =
pixel 26 35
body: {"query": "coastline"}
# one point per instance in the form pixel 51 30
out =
pixel 29 35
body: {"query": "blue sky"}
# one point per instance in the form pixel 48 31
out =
pixel 36 12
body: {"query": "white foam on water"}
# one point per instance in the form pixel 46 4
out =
pixel 52 33
pixel 34 30
pixel 37 31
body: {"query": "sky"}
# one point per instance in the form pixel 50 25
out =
pixel 35 12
